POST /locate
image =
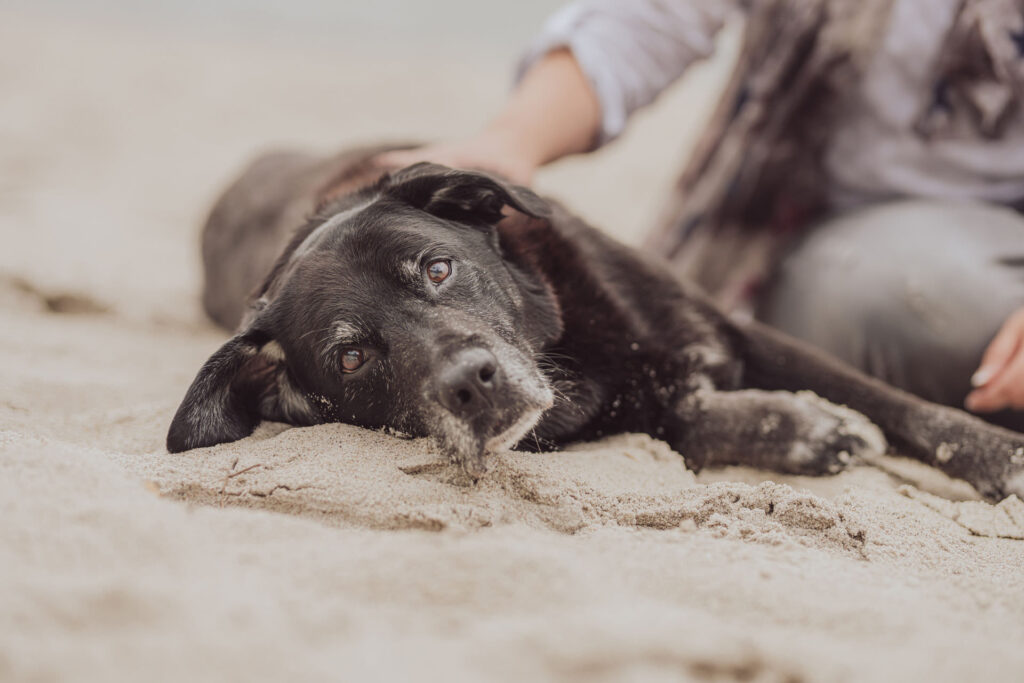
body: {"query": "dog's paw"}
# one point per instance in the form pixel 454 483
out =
pixel 1014 483
pixel 995 468
pixel 830 437
pixel 988 457
pixel 1000 473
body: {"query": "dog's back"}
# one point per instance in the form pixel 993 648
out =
pixel 253 219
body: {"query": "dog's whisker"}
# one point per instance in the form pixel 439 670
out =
pixel 321 330
pixel 553 356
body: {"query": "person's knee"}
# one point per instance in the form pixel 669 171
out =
pixel 831 288
pixel 881 292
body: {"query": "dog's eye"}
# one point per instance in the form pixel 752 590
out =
pixel 352 360
pixel 438 271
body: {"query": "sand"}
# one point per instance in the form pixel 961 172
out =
pixel 337 553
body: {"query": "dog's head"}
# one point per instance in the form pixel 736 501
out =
pixel 404 305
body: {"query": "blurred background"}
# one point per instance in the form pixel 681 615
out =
pixel 120 122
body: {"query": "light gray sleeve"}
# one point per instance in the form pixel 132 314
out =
pixel 630 50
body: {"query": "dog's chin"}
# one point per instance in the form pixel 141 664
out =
pixel 469 448
pixel 515 432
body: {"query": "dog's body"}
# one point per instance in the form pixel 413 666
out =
pixel 411 301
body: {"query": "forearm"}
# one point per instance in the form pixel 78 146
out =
pixel 629 51
pixel 552 113
pixel 593 65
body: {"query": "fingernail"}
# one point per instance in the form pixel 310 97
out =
pixel 982 376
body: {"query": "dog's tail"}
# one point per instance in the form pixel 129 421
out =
pixel 989 457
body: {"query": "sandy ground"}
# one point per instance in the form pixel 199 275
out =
pixel 337 553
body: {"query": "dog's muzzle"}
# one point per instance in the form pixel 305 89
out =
pixel 480 400
pixel 468 385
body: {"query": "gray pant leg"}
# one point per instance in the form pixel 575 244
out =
pixel 910 292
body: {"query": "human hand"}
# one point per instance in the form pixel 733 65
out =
pixel 999 381
pixel 490 150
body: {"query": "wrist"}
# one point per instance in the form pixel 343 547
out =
pixel 553 113
pixel 517 141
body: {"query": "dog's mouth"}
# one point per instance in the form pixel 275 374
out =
pixel 516 432
pixel 477 405
pixel 470 444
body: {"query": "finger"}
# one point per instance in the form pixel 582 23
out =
pixel 397 159
pixel 1005 390
pixel 406 157
pixel 1000 350
pixel 984 400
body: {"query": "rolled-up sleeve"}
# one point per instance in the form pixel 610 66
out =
pixel 630 50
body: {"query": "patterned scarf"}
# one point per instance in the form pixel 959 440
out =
pixel 756 180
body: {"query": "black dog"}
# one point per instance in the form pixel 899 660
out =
pixel 440 302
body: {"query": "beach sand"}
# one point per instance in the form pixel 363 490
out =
pixel 337 553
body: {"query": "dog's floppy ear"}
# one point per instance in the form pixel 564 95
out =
pixel 244 382
pixel 464 196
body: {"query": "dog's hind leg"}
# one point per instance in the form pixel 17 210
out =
pixel 775 430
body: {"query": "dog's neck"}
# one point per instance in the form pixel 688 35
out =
pixel 548 249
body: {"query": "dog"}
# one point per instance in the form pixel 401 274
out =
pixel 440 302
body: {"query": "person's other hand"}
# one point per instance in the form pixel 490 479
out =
pixel 487 151
pixel 999 381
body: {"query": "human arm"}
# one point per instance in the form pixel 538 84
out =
pixel 592 66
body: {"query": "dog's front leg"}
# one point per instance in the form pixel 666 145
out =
pixel 988 457
pixel 775 430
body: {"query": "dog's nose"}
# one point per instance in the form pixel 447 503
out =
pixel 466 385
